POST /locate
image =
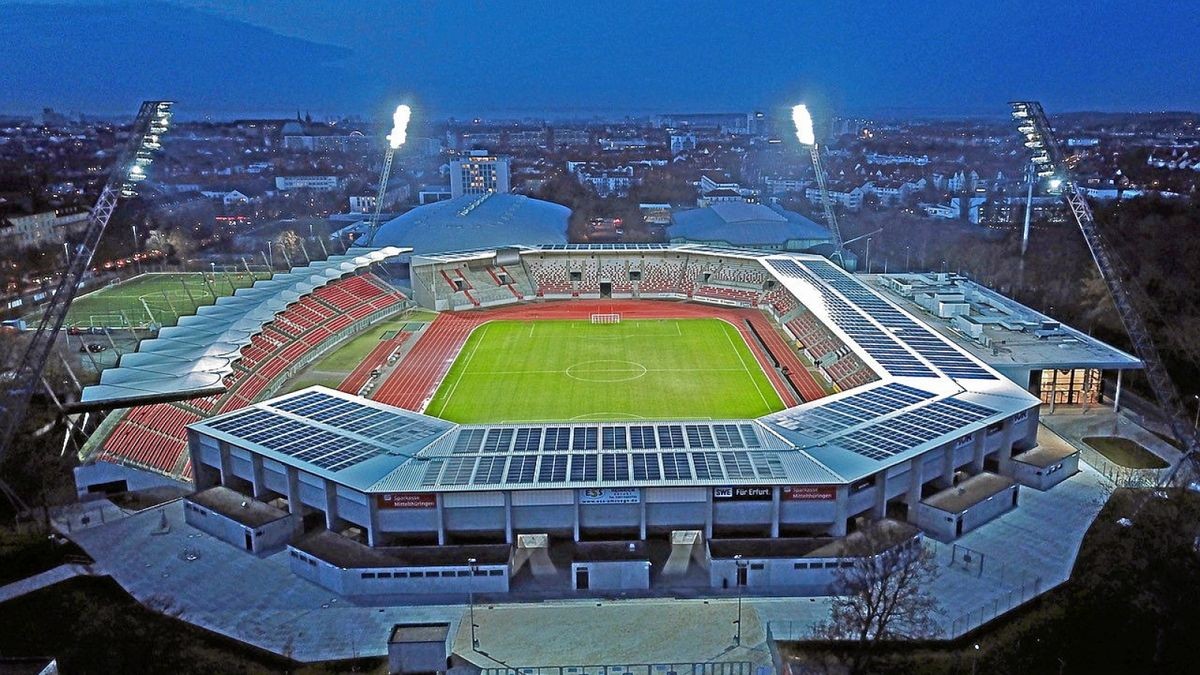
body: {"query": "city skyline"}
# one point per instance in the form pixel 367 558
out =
pixel 244 58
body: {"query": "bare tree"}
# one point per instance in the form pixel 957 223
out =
pixel 884 592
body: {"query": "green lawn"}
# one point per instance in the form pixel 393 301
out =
pixel 166 295
pixel 516 371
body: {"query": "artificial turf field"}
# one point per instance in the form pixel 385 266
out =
pixel 526 371
pixel 120 305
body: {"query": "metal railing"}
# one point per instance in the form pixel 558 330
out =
pixel 696 668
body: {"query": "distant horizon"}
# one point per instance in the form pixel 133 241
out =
pixel 887 113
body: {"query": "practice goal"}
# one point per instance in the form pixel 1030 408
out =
pixel 606 318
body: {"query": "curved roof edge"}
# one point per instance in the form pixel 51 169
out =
pixel 190 359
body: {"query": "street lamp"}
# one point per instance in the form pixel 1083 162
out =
pixel 741 565
pixel 974 659
pixel 473 565
pixel 1196 421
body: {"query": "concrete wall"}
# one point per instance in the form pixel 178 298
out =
pixel 614 575
pixel 943 525
pixel 765 572
pixel 1044 478
pixel 398 580
pixel 265 538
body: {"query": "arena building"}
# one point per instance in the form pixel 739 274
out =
pixel 884 420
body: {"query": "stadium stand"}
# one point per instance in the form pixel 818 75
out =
pixel 154 436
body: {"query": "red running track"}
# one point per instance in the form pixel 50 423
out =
pixel 412 384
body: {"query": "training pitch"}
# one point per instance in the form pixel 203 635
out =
pixel 168 296
pixel 538 371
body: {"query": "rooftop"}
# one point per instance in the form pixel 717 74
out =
pixel 968 493
pixel 996 329
pixel 744 224
pixel 236 506
pixel 478 221
pixel 419 632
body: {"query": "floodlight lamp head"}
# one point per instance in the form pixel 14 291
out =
pixel 1055 183
pixel 399 126
pixel 804 125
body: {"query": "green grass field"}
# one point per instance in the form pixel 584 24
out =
pixel 518 371
pixel 122 305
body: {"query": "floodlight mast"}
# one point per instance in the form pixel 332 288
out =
pixel 151 123
pixel 802 119
pixel 395 139
pixel 1049 162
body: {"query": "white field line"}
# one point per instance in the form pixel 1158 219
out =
pixel 466 365
pixel 750 375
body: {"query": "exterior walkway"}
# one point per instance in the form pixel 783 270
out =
pixel 39 581
pixel 259 601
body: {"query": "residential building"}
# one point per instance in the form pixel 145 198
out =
pixel 319 183
pixel 479 173
pixel 40 229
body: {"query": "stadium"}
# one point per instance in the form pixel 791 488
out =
pixel 576 417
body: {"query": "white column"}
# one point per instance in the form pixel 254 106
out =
pixel 916 467
pixel 256 476
pixel 575 499
pixel 441 521
pixel 978 451
pixel 331 509
pixel 295 506
pixel 1117 395
pixel 642 515
pixel 775 492
pixel 708 514
pixel 508 528
pixel 881 489
pixel 373 538
pixel 841 512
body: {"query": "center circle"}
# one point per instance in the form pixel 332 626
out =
pixel 606 371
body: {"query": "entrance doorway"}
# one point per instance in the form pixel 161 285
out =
pixel 249 541
pixel 581 579
pixel 606 289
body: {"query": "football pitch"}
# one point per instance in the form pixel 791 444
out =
pixel 535 371
pixel 152 298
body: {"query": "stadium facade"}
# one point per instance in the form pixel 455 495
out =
pixel 378 499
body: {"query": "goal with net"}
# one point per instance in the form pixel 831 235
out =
pixel 606 318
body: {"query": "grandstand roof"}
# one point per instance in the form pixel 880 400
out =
pixel 476 221
pixel 190 359
pixel 931 392
pixel 743 224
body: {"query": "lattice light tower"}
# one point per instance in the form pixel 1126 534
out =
pixel 24 374
pixel 397 138
pixel 803 121
pixel 1050 164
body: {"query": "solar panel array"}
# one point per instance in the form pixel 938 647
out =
pixel 947 359
pixel 906 431
pixel 858 408
pixel 575 438
pixel 882 347
pixel 325 448
pixel 590 467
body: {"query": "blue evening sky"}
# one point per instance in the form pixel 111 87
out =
pixel 576 57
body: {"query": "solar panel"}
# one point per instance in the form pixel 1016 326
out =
pixel 521 469
pixel 942 355
pixel 614 438
pixel 892 436
pixel 670 436
pixel 645 466
pixel 468 441
pixel 641 438
pixel 614 467
pixel 676 466
pixel 553 469
pixel 490 470
pixel 528 440
pixel 708 466
pixel 699 436
pixel 583 468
